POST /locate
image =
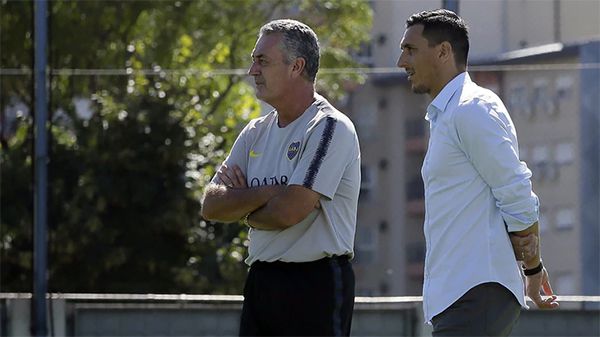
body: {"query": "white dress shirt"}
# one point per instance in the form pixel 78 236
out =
pixel 476 190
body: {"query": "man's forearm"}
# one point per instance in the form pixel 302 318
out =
pixel 535 260
pixel 263 218
pixel 285 209
pixel 224 204
pixel 270 217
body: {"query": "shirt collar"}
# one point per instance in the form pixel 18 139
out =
pixel 440 102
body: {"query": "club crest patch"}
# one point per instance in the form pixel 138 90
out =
pixel 293 150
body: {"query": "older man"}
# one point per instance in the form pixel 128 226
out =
pixel 293 177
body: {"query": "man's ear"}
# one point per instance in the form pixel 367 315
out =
pixel 445 52
pixel 298 66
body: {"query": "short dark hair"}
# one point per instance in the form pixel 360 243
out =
pixel 443 25
pixel 298 41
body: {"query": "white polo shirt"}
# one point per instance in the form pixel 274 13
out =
pixel 475 190
pixel 320 151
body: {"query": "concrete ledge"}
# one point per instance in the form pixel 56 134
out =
pixel 218 315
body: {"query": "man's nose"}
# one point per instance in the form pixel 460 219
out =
pixel 253 70
pixel 401 61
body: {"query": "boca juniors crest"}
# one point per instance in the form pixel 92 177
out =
pixel 293 150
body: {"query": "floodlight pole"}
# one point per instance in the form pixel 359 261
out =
pixel 40 243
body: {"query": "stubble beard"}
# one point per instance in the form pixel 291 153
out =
pixel 420 89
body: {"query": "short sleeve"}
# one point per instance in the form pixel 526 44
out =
pixel 330 147
pixel 238 154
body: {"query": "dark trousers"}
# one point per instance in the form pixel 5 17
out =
pixel 299 299
pixel 488 309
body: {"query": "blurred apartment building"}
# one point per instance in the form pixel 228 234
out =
pixel 543 59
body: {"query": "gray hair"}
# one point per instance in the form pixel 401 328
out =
pixel 298 41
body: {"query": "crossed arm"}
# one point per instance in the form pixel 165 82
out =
pixel 273 207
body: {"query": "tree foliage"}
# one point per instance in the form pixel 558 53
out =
pixel 144 105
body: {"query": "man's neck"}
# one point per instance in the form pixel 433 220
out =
pixel 294 107
pixel 445 78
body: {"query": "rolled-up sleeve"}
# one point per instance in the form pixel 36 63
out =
pixel 518 205
pixel 487 135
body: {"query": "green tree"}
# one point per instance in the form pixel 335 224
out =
pixel 126 180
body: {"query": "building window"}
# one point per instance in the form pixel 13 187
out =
pixel 415 252
pixel 382 103
pixel 543 103
pixel 518 101
pixel 415 131
pixel 366 245
pixel 367 182
pixel 564 89
pixel 415 128
pixel 384 288
pixel 543 168
pixel 415 189
pixel 541 153
pixel 364 55
pixel 366 120
pixel 415 197
pixel 564 153
pixel 383 226
pixel 415 258
pixel 565 218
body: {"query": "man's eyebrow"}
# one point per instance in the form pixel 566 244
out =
pixel 406 45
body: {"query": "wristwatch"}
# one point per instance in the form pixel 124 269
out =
pixel 533 271
pixel 244 220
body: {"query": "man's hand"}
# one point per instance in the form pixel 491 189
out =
pixel 232 177
pixel 229 198
pixel 524 247
pixel 534 284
